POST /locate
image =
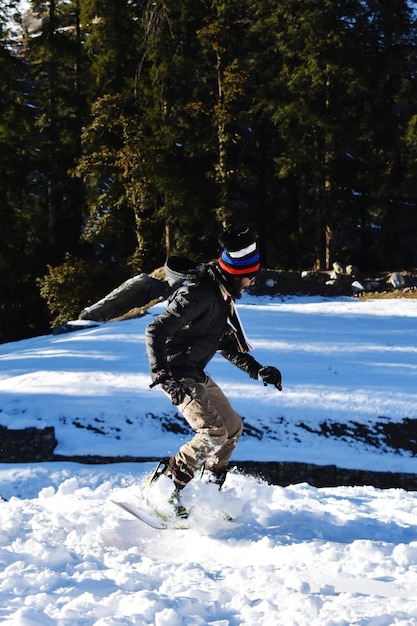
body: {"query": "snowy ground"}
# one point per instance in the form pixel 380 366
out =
pixel 292 556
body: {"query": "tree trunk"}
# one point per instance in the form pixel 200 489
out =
pixel 53 201
pixel 168 238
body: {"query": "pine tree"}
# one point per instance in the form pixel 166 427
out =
pixel 324 91
pixel 21 309
pixel 110 40
pixel 55 59
pixel 385 181
pixel 314 44
pixel 147 149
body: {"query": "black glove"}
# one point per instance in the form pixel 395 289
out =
pixel 161 377
pixel 173 387
pixel 270 375
pixel 176 390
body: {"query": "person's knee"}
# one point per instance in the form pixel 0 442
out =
pixel 208 444
pixel 237 430
pixel 218 436
pixel 221 434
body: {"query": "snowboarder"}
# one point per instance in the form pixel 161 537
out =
pixel 200 320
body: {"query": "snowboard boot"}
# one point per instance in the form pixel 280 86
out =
pixel 175 500
pixel 217 475
pixel 180 475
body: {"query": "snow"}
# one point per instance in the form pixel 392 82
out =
pixel 295 555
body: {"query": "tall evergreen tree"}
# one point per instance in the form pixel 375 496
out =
pixel 314 44
pixel 386 105
pixel 110 40
pixel 149 164
pixel 327 61
pixel 21 310
pixel 223 40
pixel 55 58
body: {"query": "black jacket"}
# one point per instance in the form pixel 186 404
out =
pixel 193 327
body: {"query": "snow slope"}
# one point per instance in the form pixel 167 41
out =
pixel 292 556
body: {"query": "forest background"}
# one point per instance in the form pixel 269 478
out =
pixel 133 129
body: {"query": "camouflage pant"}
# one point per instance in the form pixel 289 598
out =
pixel 217 426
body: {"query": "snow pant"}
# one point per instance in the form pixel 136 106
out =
pixel 217 426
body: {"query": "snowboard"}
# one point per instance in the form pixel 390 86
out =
pixel 150 514
pixel 152 517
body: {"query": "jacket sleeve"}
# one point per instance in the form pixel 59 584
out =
pixel 181 310
pixel 244 361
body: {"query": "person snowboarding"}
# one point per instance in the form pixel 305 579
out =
pixel 201 319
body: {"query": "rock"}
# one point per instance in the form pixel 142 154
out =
pixel 339 268
pixel 306 274
pixel 397 280
pixel 358 287
pixel 133 293
pixel 351 270
pixel 27 445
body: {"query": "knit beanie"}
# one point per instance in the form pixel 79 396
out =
pixel 240 255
